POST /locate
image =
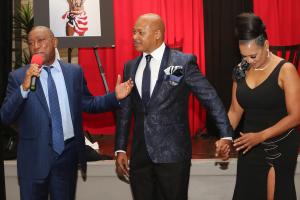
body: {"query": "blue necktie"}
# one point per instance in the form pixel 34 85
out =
pixel 146 81
pixel 57 129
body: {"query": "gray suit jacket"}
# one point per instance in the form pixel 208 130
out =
pixel 164 120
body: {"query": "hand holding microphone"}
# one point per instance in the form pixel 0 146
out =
pixel 33 72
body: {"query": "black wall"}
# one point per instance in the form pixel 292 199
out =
pixel 221 46
pixel 5 68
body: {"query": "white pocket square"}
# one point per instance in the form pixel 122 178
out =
pixel 172 69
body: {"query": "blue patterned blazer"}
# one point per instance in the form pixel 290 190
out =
pixel 164 120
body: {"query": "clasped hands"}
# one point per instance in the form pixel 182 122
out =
pixel 244 143
pixel 223 148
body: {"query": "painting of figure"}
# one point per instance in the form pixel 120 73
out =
pixel 76 18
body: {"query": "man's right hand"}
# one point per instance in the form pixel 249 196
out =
pixel 223 148
pixel 122 167
pixel 33 70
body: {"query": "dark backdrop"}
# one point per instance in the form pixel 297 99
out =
pixel 5 68
pixel 221 46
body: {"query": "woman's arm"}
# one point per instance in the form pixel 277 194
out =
pixel 235 111
pixel 289 81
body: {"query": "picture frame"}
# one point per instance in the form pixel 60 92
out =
pixel 98 27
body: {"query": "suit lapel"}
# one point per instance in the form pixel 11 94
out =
pixel 160 78
pixel 164 64
pixel 132 75
pixel 39 93
pixel 41 96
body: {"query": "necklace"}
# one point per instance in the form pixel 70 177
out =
pixel 261 68
pixel 266 66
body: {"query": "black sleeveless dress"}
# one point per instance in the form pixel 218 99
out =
pixel 263 107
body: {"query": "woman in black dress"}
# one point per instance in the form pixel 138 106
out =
pixel 266 97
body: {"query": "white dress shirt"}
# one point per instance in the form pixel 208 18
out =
pixel 155 62
pixel 62 94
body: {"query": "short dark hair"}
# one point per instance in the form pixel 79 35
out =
pixel 249 27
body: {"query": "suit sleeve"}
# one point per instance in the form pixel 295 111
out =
pixel 208 97
pixel 124 116
pixel 13 101
pixel 96 104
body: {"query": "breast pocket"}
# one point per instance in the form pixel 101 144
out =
pixel 173 80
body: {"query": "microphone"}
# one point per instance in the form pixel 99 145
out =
pixel 36 59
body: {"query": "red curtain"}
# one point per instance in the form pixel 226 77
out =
pixel 184 29
pixel 282 20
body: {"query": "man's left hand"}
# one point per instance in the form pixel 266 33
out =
pixel 223 148
pixel 122 90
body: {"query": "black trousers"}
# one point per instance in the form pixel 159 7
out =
pixel 158 181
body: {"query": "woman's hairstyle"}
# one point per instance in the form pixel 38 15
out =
pixel 249 27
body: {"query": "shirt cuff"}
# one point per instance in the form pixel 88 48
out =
pixel 119 151
pixel 226 138
pixel 24 92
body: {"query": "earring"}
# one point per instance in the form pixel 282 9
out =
pixel 268 53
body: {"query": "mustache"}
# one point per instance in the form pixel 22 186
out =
pixel 136 42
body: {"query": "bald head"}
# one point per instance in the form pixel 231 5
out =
pixel 148 32
pixel 155 22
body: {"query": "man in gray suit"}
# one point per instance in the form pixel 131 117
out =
pixel 161 150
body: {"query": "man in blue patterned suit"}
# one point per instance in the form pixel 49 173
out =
pixel 48 164
pixel 161 150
